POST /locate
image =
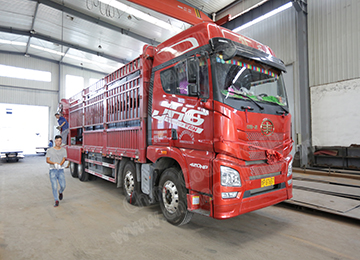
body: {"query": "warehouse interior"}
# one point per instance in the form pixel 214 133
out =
pixel 52 49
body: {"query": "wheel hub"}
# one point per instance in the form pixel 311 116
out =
pixel 72 167
pixel 80 169
pixel 170 196
pixel 129 183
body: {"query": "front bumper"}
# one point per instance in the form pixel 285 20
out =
pixel 251 195
pixel 10 155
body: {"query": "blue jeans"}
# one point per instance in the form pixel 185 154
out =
pixel 55 176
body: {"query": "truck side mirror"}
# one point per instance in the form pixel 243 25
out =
pixel 193 89
pixel 192 70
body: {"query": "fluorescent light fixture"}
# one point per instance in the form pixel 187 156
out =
pixel 263 17
pixel 12 43
pixel 84 60
pixel 140 15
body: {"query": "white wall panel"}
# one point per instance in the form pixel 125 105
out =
pixel 335 113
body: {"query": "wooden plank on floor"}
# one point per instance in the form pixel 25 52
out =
pixel 329 188
pixel 327 179
pixel 324 201
pixel 354 213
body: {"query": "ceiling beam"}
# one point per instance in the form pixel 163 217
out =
pixel 62 58
pixel 175 9
pixel 32 27
pixel 63 43
pixel 96 21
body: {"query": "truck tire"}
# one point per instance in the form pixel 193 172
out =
pixel 74 169
pixel 173 202
pixel 82 174
pixel 130 185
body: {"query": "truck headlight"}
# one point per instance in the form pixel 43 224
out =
pixel 230 177
pixel 290 168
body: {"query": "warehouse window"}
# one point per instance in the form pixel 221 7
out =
pixel 22 73
pixel 74 84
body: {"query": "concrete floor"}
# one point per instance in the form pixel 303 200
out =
pixel 94 222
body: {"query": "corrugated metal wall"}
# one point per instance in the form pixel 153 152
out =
pixel 334 36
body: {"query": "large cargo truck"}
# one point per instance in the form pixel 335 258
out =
pixel 199 123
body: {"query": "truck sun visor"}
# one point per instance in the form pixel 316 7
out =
pixel 220 59
pixel 229 49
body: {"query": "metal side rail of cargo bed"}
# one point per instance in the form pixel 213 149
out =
pixel 328 191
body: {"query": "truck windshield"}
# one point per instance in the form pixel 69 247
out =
pixel 244 79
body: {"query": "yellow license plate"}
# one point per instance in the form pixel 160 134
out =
pixel 267 182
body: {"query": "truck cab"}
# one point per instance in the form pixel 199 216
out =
pixel 219 109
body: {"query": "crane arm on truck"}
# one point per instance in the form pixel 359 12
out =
pixel 175 9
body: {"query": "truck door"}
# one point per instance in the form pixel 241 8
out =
pixel 179 117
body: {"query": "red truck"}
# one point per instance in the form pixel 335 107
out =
pixel 199 123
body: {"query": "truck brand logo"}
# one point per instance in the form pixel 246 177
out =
pixel 198 165
pixel 188 119
pixel 267 127
pixel 251 126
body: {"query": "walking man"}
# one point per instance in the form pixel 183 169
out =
pixel 55 157
pixel 63 126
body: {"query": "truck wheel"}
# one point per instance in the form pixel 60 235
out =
pixel 73 169
pixel 131 186
pixel 173 201
pixel 82 174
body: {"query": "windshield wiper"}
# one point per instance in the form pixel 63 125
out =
pixel 279 112
pixel 246 96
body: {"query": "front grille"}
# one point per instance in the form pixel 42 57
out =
pixel 256 136
pixel 265 169
pixel 264 144
pixel 260 140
